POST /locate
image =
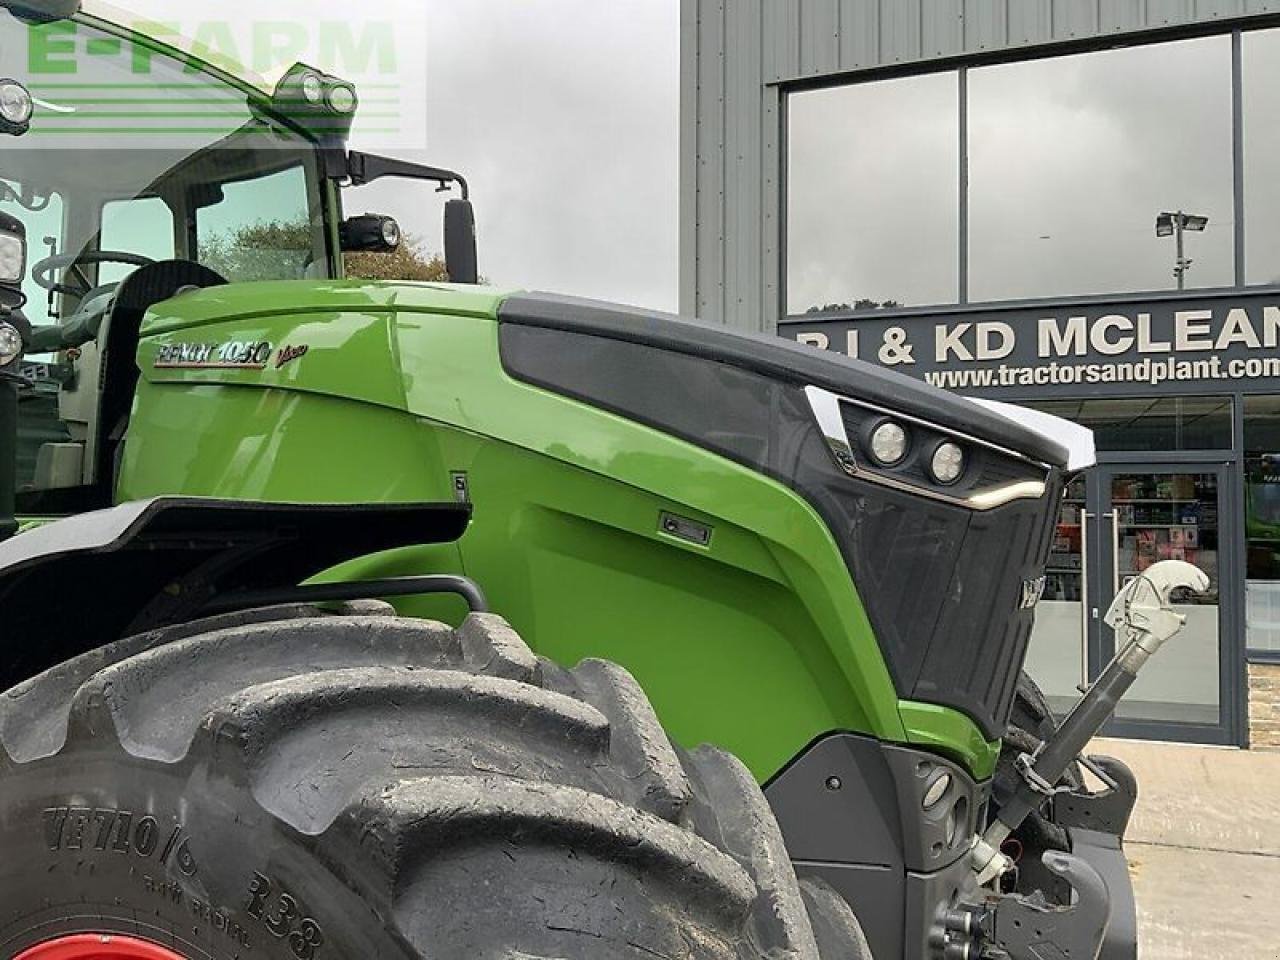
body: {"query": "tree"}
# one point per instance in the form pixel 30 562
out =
pixel 861 304
pixel 407 262
pixel 270 250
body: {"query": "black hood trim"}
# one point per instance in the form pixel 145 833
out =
pixel 782 360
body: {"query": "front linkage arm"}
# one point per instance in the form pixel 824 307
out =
pixel 1021 927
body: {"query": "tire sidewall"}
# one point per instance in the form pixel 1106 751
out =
pixel 121 845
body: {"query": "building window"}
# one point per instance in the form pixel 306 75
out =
pixel 1262 524
pixel 1260 69
pixel 1071 159
pixel 1067 163
pixel 873 198
pixel 1149 423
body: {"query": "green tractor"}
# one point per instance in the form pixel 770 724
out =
pixel 258 707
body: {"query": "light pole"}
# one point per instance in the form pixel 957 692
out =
pixel 1174 224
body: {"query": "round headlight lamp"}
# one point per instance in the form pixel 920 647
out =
pixel 947 463
pixel 936 791
pixel 391 233
pixel 888 444
pixel 10 344
pixel 13 258
pixel 342 98
pixel 313 89
pixel 16 105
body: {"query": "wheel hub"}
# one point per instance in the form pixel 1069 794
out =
pixel 98 946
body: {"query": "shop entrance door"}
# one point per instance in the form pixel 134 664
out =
pixel 1165 512
pixel 1116 521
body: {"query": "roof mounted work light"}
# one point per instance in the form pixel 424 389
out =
pixel 323 105
pixel 16 107
pixel 43 11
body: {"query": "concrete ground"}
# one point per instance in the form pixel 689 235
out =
pixel 1204 850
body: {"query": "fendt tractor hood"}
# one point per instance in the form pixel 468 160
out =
pixel 335 313
pixel 948 572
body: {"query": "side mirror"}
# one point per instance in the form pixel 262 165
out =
pixel 460 242
pixel 371 233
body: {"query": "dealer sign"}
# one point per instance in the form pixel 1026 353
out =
pixel 1202 344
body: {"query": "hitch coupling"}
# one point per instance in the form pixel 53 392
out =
pixel 1143 618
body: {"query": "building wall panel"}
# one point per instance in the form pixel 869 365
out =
pixel 1217 9
pixel 780 28
pixel 742 225
pixel 986 24
pixel 1117 16
pixel 732 109
pixel 900 31
pixel 709 207
pixel 1030 22
pixel 859 33
pixel 942 28
pixel 819 36
pixel 1073 19
pixel 1168 13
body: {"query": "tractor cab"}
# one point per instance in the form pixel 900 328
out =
pixel 107 209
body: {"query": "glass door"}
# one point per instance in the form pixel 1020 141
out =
pixel 1153 513
pixel 1058 653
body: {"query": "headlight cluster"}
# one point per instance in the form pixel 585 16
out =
pixel 883 446
pixel 13 270
pixel 316 99
pixel 889 442
pixel 13 257
pixel 16 107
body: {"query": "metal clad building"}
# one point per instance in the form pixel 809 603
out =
pixel 738 56
pixel 990 195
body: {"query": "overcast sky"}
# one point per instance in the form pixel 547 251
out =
pixel 563 115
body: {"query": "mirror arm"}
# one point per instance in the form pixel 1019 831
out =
pixel 363 168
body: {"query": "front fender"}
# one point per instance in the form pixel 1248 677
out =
pixel 75 584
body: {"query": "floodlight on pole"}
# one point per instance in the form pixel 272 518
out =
pixel 1175 224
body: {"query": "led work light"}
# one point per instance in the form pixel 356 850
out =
pixel 888 443
pixel 947 463
pixel 316 101
pixel 10 344
pixel 16 107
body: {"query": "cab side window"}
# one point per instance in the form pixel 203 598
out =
pixel 142 225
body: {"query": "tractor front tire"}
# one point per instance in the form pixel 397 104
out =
pixel 289 784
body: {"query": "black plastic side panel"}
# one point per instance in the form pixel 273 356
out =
pixel 79 583
pixel 780 360
pixel 851 812
pixel 941 584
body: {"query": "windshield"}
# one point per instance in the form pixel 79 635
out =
pixel 164 161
